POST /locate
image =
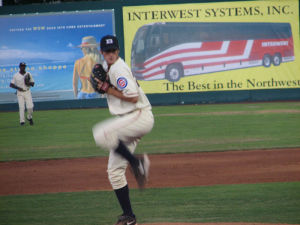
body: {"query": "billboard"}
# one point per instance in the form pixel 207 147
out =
pixel 58 48
pixel 213 46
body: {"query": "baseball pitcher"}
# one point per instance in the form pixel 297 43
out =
pixel 22 81
pixel 120 135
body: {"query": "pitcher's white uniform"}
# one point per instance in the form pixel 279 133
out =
pixel 24 97
pixel 132 121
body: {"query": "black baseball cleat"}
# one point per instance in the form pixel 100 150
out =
pixel 141 172
pixel 30 121
pixel 22 123
pixel 126 220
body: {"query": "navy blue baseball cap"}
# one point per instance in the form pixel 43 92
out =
pixel 109 42
pixel 22 64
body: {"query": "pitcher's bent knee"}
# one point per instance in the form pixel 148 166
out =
pixel 105 138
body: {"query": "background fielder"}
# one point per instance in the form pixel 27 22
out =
pixel 120 135
pixel 22 81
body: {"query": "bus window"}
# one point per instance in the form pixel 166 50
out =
pixel 165 41
pixel 176 35
pixel 138 46
pixel 138 43
pixel 154 42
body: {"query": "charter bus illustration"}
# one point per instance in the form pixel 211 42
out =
pixel 174 50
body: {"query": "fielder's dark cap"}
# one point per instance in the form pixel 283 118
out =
pixel 109 42
pixel 22 64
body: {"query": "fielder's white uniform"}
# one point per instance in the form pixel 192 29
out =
pixel 24 97
pixel 132 121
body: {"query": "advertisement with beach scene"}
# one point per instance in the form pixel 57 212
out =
pixel 59 50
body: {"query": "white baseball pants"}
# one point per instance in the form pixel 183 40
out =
pixel 128 128
pixel 25 98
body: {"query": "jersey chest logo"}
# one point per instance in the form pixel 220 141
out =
pixel 122 82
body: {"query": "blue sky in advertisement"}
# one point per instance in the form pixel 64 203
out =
pixel 49 38
pixel 48 43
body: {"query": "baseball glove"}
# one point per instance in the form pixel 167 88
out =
pixel 27 79
pixel 99 79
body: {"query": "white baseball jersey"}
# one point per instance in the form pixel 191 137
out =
pixel 18 80
pixel 120 76
pixel 24 97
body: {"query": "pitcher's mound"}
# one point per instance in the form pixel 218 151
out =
pixel 212 224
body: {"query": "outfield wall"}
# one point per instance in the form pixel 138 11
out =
pixel 175 99
pixel 156 99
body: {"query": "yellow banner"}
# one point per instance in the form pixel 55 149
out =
pixel 213 46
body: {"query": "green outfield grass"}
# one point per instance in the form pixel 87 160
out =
pixel 269 203
pixel 190 128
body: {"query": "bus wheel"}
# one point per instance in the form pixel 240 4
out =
pixel 267 60
pixel 277 59
pixel 174 72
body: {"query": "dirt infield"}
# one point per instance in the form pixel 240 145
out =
pixel 167 170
